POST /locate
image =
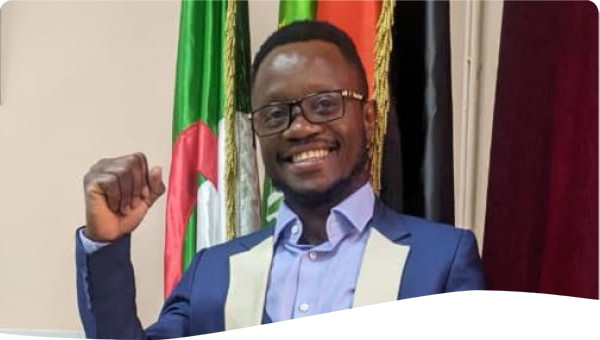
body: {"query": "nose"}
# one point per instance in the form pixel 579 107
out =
pixel 300 127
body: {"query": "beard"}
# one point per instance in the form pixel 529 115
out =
pixel 337 192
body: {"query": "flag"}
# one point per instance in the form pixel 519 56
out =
pixel 289 11
pixel 359 20
pixel 419 137
pixel 212 194
pixel 296 10
pixel 369 24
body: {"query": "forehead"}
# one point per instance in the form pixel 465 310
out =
pixel 296 69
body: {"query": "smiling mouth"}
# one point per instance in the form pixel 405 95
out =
pixel 310 156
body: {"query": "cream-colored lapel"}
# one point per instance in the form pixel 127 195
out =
pixel 248 279
pixel 381 270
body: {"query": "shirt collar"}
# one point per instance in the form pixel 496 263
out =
pixel 285 217
pixel 356 208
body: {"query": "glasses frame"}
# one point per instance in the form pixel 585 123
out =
pixel 298 102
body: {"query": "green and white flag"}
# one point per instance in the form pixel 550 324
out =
pixel 213 193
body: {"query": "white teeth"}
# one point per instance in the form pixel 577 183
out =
pixel 309 155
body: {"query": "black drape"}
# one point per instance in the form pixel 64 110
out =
pixel 418 162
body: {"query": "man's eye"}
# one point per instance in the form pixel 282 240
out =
pixel 274 116
pixel 325 105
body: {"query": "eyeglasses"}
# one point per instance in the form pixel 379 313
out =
pixel 318 108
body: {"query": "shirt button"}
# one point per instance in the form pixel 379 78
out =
pixel 295 229
pixel 303 307
pixel 312 255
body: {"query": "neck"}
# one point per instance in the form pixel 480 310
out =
pixel 314 223
pixel 313 211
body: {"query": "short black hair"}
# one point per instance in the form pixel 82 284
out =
pixel 301 31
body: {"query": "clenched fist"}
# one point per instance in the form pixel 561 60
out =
pixel 118 193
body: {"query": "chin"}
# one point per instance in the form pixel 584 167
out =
pixel 309 191
pixel 315 194
pixel 303 190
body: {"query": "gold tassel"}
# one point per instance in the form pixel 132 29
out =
pixel 383 49
pixel 229 114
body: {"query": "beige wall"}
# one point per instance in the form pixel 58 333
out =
pixel 80 81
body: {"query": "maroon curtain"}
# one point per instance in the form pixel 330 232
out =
pixel 542 216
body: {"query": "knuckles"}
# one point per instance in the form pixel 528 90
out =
pixel 109 172
pixel 119 166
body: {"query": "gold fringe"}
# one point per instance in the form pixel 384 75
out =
pixel 383 49
pixel 229 115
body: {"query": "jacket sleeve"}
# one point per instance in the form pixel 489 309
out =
pixel 466 272
pixel 106 297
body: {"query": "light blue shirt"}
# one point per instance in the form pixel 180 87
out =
pixel 312 279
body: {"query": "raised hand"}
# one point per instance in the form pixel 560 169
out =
pixel 118 193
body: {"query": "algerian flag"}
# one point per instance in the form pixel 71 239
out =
pixel 213 193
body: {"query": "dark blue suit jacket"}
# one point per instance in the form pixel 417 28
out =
pixel 441 259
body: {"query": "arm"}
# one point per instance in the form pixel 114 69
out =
pixel 466 272
pixel 118 194
pixel 106 296
pixel 106 292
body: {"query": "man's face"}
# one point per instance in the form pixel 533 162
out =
pixel 314 162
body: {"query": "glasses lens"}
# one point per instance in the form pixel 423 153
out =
pixel 323 107
pixel 271 119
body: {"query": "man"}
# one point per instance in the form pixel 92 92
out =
pixel 334 245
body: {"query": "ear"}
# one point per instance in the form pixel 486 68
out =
pixel 369 114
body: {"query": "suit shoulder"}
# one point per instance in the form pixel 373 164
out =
pixel 421 228
pixel 418 224
pixel 436 230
